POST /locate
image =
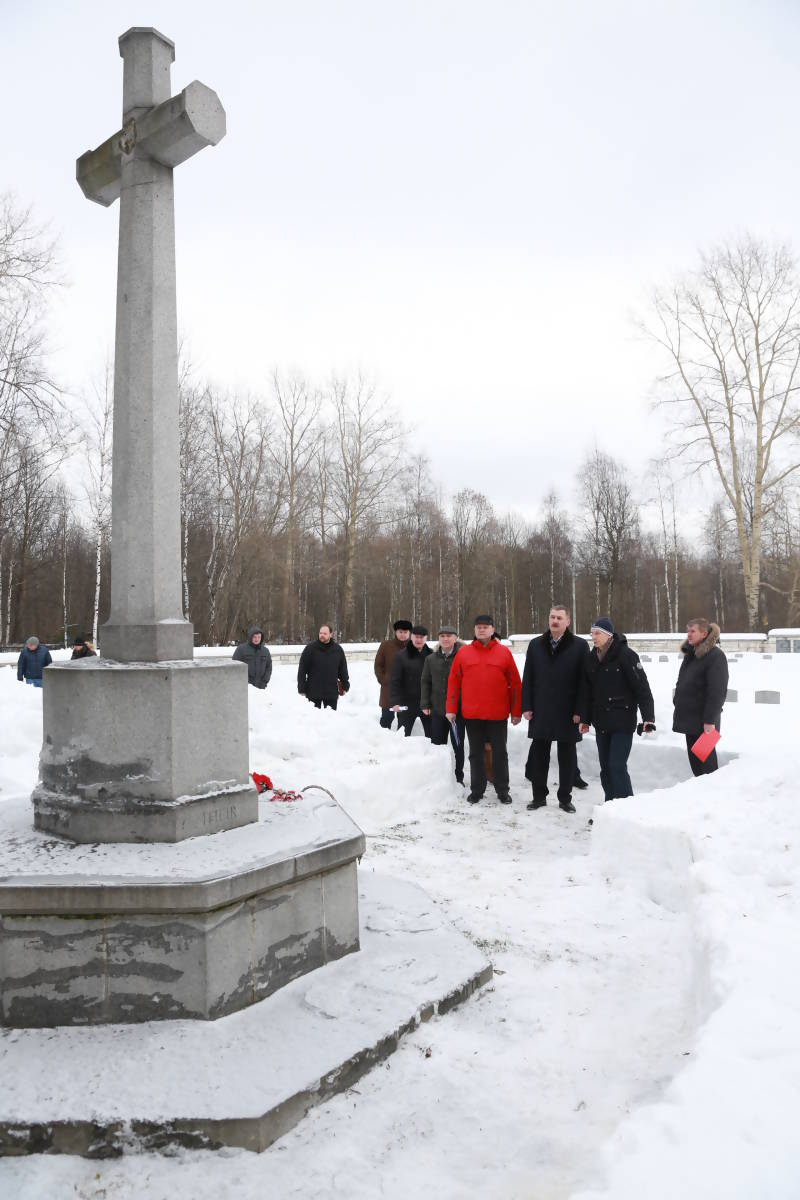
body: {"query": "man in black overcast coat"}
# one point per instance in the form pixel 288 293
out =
pixel 322 673
pixel 553 669
pixel 405 682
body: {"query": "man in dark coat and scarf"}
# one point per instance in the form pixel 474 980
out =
pixel 405 682
pixel 322 672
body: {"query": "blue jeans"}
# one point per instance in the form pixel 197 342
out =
pixel 613 750
pixel 34 682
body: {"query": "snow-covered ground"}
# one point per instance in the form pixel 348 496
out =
pixel 641 1037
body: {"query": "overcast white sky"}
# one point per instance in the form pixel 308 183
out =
pixel 466 200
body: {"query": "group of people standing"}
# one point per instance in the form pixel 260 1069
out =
pixel 463 692
pixel 566 688
pixel 35 656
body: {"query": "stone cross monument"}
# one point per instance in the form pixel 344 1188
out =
pixel 136 165
pixel 145 744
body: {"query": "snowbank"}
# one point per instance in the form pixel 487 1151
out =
pixel 726 848
pixel 641 1035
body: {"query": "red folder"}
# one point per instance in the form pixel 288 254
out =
pixel 705 744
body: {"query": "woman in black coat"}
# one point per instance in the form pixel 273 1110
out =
pixel 322 674
pixel 701 689
pixel 613 687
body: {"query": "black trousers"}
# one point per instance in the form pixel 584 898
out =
pixel 387 716
pixel 406 721
pixel 331 703
pixel 538 765
pixel 496 734
pixel 441 731
pixel 700 768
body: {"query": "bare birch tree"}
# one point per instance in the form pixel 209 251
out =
pixel 369 461
pixel 610 521
pixel 293 451
pixel 239 432
pixel 472 522
pixel 98 488
pixel 730 331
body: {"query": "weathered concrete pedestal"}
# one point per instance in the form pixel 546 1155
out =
pixel 144 752
pixel 98 934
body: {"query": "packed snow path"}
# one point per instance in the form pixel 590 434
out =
pixel 591 1016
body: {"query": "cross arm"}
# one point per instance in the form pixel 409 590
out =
pixel 169 133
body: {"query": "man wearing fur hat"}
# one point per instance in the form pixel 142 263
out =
pixel 383 668
pixel 701 689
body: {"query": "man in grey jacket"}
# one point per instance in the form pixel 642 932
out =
pixel 255 654
pixel 433 695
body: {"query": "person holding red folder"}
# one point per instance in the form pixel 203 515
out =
pixel 701 689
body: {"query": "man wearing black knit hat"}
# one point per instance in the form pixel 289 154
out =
pixel 383 666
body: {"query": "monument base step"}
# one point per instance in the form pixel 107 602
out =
pixel 102 934
pixel 248 1078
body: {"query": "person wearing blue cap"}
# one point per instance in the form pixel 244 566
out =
pixel 613 687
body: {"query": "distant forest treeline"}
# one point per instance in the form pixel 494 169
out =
pixel 311 505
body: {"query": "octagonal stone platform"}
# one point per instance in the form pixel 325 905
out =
pixel 252 1076
pixel 198 928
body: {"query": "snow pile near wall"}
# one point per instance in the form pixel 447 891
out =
pixel 726 848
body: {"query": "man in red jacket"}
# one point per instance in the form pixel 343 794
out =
pixel 485 679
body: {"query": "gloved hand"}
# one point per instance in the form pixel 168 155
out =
pixel 645 727
pixel 341 688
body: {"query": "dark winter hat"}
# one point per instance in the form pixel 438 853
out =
pixel 80 639
pixel 604 625
pixel 448 629
pixel 403 625
pixel 32 641
pixel 484 619
pixel 420 630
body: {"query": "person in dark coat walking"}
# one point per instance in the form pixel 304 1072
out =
pixel 701 689
pixel 322 674
pixel 433 696
pixel 405 682
pixel 553 670
pixel 383 666
pixel 613 687
pixel 33 659
pixel 484 684
pixel 82 647
pixel 255 654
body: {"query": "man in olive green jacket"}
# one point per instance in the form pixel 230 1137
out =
pixel 433 694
